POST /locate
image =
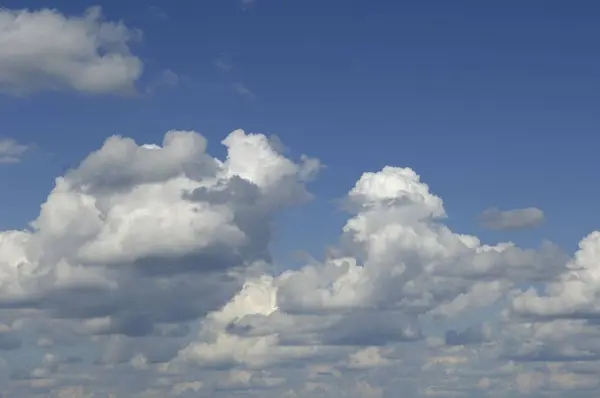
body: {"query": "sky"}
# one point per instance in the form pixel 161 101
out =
pixel 300 199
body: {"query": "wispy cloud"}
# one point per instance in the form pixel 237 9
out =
pixel 529 217
pixel 11 151
pixel 167 79
pixel 248 3
pixel 158 12
pixel 223 65
pixel 241 89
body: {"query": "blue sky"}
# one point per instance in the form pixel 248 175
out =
pixel 493 105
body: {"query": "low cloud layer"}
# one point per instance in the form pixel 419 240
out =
pixel 148 274
pixel 46 50
pixel 497 219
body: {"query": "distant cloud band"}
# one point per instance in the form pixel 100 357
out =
pixel 496 219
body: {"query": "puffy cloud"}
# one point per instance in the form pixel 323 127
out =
pixel 140 235
pixel 574 293
pixel 396 255
pixel 41 50
pixel 395 264
pixel 528 217
pixel 148 274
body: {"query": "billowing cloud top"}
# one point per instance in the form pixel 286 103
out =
pixel 148 274
pixel 42 50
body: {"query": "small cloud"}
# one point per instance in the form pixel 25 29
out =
pixel 223 65
pixel 243 91
pixel 11 151
pixel 82 53
pixel 496 219
pixel 158 12
pixel 167 78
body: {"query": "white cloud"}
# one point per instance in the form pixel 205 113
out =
pixel 574 294
pixel 528 217
pixel 44 49
pixel 173 213
pixel 11 151
pixel 148 274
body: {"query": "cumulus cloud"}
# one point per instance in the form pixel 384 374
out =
pixel 46 50
pixel 574 293
pixel 148 274
pixel 144 226
pixel 528 217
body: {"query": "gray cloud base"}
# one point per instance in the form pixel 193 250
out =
pixel 528 217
